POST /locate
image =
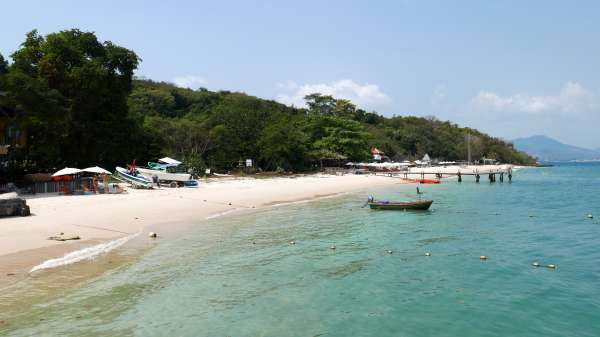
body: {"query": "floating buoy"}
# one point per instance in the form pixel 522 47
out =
pixel 390 252
pixel 535 264
pixel 483 257
pixel 428 254
pixel 551 266
pixel 152 235
pixel 590 216
pixel 332 247
pixel 292 242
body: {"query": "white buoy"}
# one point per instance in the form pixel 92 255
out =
pixel 428 254
pixel 152 235
pixel 590 216
pixel 332 247
pixel 551 266
pixel 535 264
pixel 292 242
pixel 483 257
pixel 390 252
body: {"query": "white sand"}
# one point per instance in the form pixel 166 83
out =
pixel 106 217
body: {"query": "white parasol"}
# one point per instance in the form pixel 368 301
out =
pixel 96 169
pixel 66 172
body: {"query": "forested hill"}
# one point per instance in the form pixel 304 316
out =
pixel 223 127
pixel 76 100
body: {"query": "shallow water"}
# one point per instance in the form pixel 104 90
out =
pixel 240 275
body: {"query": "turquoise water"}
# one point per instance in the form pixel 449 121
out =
pixel 241 276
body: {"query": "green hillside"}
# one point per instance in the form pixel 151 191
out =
pixel 79 104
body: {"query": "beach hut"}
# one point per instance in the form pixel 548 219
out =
pixel 66 180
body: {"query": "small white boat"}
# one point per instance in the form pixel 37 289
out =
pixel 133 179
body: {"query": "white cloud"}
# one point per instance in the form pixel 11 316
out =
pixel 190 81
pixel 573 97
pixel 367 96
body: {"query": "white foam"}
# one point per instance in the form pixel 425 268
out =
pixel 220 214
pixel 88 253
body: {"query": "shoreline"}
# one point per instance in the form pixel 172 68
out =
pixel 100 219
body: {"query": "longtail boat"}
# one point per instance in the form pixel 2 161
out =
pixel 419 205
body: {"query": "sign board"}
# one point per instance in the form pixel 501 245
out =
pixel 207 171
pixel 248 162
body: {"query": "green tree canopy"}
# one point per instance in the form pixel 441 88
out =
pixel 73 90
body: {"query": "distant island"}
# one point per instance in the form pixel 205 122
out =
pixel 547 149
pixel 68 99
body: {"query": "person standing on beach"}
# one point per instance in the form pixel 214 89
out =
pixel 155 180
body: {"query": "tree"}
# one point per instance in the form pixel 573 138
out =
pixel 3 65
pixel 320 104
pixel 283 144
pixel 344 108
pixel 73 90
pixel 338 138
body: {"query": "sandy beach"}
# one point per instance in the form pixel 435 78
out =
pixel 102 218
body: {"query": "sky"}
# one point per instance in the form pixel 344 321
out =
pixel 509 68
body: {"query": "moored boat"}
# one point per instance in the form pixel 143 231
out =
pixel 418 205
pixel 426 181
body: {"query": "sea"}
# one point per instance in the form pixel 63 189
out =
pixel 273 272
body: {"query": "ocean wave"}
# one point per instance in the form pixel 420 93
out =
pixel 88 253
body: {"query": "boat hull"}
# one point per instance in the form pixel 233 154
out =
pixel 138 180
pixel 426 181
pixel 402 206
pixel 165 176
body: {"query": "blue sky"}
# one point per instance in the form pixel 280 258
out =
pixel 510 68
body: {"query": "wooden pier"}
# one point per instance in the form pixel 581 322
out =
pixel 491 174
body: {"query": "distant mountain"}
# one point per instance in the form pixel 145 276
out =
pixel 548 149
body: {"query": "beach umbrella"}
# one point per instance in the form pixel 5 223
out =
pixel 96 169
pixel 349 163
pixel 66 172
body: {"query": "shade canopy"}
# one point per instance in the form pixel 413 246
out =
pixel 171 161
pixel 66 172
pixel 96 169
